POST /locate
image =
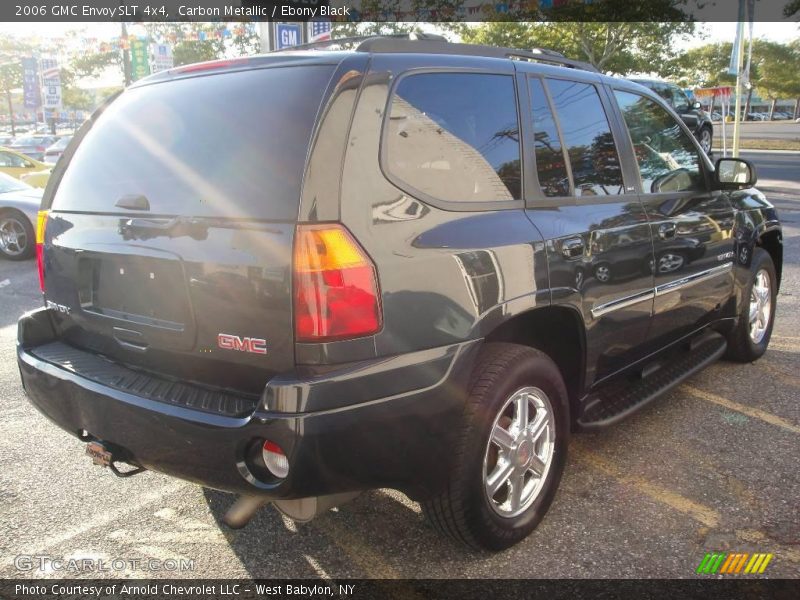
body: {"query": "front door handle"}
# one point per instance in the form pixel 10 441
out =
pixel 666 231
pixel 572 248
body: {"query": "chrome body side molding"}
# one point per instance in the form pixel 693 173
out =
pixel 684 282
pixel 608 307
pixel 660 290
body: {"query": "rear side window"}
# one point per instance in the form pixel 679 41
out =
pixel 587 136
pixel 225 145
pixel 455 137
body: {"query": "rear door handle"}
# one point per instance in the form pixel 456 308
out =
pixel 572 248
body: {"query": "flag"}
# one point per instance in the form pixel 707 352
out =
pixel 319 30
pixel 733 67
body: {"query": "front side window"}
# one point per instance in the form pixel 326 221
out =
pixel 455 136
pixel 587 136
pixel 668 159
pixel 680 101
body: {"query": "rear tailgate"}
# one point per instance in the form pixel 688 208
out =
pixel 169 241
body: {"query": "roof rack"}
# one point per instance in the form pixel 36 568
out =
pixel 439 45
pixel 355 41
pixel 431 43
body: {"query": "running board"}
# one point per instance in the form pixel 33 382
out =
pixel 618 400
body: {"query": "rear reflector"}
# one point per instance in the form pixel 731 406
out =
pixel 275 459
pixel 41 223
pixel 335 286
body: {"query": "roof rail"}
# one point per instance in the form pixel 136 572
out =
pixel 439 45
pixel 355 40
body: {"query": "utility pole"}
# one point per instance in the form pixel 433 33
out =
pixel 265 36
pixel 739 61
pixel 126 55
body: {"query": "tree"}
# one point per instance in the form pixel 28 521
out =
pixel 703 66
pixel 11 52
pixel 197 42
pixel 773 69
pixel 778 71
pixel 612 47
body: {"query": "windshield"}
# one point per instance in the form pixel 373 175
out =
pixel 9 184
pixel 229 145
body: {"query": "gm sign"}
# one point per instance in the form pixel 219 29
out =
pixel 287 35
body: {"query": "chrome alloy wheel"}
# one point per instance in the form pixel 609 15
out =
pixel 13 239
pixel 760 306
pixel 519 452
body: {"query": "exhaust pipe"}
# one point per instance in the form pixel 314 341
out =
pixel 240 513
pixel 301 510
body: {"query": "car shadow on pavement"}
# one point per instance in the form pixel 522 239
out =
pixel 374 536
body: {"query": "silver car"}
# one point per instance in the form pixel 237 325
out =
pixel 19 204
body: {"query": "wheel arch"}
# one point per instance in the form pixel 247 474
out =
pixel 559 332
pixel 772 242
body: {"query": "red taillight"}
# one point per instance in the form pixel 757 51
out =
pixel 41 223
pixel 40 148
pixel 335 286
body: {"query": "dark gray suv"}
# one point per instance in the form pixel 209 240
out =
pixel 416 265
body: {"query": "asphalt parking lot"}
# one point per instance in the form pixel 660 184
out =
pixel 712 466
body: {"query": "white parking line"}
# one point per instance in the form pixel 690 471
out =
pixel 100 520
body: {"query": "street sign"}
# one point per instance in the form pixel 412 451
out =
pixel 30 82
pixel 161 58
pixel 140 64
pixel 51 83
pixel 287 35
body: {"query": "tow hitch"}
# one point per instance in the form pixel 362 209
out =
pixel 101 455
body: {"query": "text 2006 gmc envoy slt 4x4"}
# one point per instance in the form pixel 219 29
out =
pixel 412 265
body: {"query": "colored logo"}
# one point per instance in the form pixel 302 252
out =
pixel 733 563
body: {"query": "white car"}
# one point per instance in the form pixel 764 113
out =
pixel 19 204
pixel 54 152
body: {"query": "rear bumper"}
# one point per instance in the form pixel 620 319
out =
pixel 390 425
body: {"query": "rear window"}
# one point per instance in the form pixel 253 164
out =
pixel 225 145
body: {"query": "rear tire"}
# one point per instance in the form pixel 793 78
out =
pixel 506 378
pixel 705 137
pixel 748 341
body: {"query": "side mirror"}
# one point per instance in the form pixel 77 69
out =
pixel 735 174
pixel 697 105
